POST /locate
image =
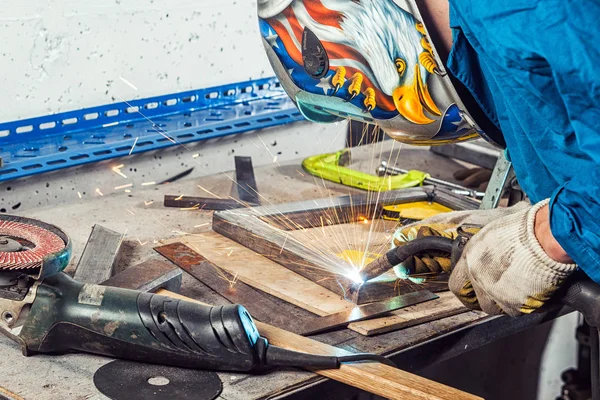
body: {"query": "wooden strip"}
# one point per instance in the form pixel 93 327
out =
pixel 446 306
pixel 266 275
pixel 100 256
pixel 148 276
pixel 375 378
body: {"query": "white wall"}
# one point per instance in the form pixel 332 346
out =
pixel 58 55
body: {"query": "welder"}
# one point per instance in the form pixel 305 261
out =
pixel 521 74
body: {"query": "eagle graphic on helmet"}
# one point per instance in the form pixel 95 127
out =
pixel 369 60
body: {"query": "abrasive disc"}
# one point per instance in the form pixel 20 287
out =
pixel 128 380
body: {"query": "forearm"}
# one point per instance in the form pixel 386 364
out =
pixel 546 239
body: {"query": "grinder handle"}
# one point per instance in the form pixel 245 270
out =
pixel 67 315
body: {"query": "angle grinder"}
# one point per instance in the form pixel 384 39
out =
pixel 46 311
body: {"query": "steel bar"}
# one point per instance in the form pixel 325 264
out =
pixel 384 168
pixel 478 153
pixel 100 256
pixel 203 203
pixel 148 276
pixel 360 313
pixel 246 182
pixel 503 172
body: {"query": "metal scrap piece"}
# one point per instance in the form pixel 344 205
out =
pixel 148 276
pixel 100 256
pixel 246 182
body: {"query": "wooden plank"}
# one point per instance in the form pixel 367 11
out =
pixel 100 256
pixel 247 227
pixel 265 275
pixel 375 378
pixel 446 306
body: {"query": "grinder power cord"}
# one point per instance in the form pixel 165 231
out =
pixel 46 311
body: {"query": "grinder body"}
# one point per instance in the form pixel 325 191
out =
pixel 70 316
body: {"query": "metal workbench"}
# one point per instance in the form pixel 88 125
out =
pixel 141 215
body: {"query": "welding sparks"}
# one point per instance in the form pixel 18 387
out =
pixel 140 242
pixel 79 194
pixel 99 192
pixel 129 211
pixel 125 81
pixel 127 191
pixel 117 170
pixel 192 208
pixel 195 155
pixel 148 183
pixel 133 147
pixel 283 245
pixel 209 192
pixel 124 186
pixel 147 203
pixel 230 253
pixel 201 225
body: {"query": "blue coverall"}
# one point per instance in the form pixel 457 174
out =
pixel 534 68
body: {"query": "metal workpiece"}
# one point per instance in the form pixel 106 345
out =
pixel 477 152
pixel 148 276
pixel 100 256
pixel 502 174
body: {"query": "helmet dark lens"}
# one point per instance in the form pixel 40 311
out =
pixel 314 56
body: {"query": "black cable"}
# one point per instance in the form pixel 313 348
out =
pixel 367 357
pixel 278 357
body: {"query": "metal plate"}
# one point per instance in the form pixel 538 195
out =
pixel 360 313
pixel 127 380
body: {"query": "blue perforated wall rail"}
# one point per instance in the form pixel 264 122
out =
pixel 52 142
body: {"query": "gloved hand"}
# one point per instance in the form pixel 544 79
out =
pixel 446 225
pixel 503 268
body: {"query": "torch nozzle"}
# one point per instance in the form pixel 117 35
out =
pixel 402 253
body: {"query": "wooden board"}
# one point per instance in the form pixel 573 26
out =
pixel 266 275
pixel 249 227
pixel 375 378
pixel 446 306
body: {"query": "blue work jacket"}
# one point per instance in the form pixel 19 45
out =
pixel 534 68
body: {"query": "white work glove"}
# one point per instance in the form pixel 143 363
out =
pixel 503 268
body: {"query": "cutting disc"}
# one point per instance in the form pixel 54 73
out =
pixel 25 243
pixel 128 380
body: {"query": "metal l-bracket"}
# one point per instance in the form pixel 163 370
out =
pixel 503 173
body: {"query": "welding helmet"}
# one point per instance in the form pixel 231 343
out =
pixel 367 60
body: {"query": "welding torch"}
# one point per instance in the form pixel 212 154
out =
pixel 579 292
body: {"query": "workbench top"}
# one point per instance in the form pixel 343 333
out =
pixel 141 215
